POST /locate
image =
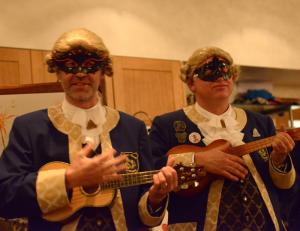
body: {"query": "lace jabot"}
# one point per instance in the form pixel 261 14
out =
pixel 82 117
pixel 223 126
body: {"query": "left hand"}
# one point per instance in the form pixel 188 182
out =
pixel 163 182
pixel 282 145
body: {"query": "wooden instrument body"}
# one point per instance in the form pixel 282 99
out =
pixel 81 197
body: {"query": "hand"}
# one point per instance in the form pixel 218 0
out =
pixel 223 164
pixel 85 171
pixel 282 145
pixel 163 182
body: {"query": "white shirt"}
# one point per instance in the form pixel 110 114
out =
pixel 212 128
pixel 81 117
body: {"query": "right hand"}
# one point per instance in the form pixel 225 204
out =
pixel 86 171
pixel 223 164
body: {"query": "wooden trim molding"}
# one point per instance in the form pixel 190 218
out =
pixel 42 88
pixel 31 88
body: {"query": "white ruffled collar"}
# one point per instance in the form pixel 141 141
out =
pixel 81 117
pixel 214 120
pixel 212 129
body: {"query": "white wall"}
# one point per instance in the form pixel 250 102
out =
pixel 256 32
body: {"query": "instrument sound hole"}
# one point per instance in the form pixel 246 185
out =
pixel 90 190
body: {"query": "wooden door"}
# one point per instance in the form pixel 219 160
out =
pixel 15 66
pixel 150 86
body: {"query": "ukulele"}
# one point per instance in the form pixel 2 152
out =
pixel 98 196
pixel 194 180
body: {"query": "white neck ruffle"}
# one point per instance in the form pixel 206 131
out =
pixel 211 126
pixel 81 117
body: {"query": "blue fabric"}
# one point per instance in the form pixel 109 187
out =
pixel 262 93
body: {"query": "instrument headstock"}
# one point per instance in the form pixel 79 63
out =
pixel 188 176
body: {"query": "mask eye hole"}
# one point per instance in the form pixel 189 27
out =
pixel 89 63
pixel 68 63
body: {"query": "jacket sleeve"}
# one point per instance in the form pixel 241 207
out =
pixel 17 175
pixel 281 179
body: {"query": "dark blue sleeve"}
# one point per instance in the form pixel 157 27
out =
pixel 17 176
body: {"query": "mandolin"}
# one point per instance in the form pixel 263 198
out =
pixel 194 180
pixel 101 195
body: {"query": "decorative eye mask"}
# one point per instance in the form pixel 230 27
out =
pixel 213 70
pixel 79 60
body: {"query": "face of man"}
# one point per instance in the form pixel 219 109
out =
pixel 80 74
pixel 212 81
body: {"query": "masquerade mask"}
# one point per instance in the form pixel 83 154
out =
pixel 79 60
pixel 213 70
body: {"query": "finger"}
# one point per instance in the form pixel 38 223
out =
pixel 119 163
pixel 105 156
pixel 162 182
pixel 155 185
pixel 239 165
pixel 165 172
pixel 87 150
pixel 237 159
pixel 289 141
pixel 281 145
pixel 286 138
pixel 122 159
pixel 121 166
pixel 115 165
pixel 234 170
pixel 229 176
pixel 112 177
pixel 171 161
pixel 174 178
pixel 111 152
pixel 171 177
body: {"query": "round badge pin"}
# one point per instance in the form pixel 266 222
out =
pixel 194 137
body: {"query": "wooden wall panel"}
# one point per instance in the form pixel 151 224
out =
pixel 148 85
pixel 15 66
pixel 39 70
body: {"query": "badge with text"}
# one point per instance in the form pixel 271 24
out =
pixel 132 161
pixel 264 154
pixel 194 137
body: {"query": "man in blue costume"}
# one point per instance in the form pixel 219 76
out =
pixel 76 132
pixel 244 195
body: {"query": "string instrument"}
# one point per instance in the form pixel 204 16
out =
pixel 194 180
pixel 98 196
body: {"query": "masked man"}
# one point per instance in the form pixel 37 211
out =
pixel 98 142
pixel 244 194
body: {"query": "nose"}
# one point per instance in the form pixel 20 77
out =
pixel 80 74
